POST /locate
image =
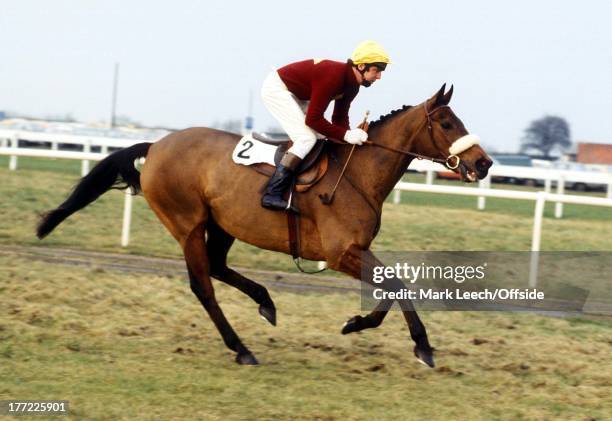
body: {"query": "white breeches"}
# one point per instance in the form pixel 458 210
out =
pixel 290 113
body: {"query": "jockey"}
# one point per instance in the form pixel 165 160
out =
pixel 298 94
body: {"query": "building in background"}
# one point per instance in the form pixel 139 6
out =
pixel 594 153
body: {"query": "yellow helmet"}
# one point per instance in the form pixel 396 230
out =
pixel 369 52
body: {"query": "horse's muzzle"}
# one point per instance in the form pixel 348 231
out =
pixel 482 167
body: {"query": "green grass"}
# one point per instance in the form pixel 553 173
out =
pixel 131 346
pixel 64 166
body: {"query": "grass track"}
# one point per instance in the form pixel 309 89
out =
pixel 140 347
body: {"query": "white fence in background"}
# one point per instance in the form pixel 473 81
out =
pixel 11 138
pixel 9 146
pixel 547 175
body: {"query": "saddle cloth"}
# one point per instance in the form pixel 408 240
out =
pixel 251 151
pixel 263 158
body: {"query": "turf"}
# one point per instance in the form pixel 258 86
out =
pixel 131 346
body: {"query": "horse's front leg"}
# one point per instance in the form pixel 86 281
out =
pixel 353 261
pixel 372 320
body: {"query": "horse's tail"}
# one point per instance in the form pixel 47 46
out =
pixel 115 171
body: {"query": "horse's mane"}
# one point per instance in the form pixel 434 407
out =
pixel 386 117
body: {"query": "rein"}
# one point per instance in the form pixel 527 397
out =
pixel 327 199
pixel 447 162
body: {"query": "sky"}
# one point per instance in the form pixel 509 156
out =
pixel 194 63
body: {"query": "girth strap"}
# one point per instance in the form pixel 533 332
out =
pixel 294 232
pixel 293 223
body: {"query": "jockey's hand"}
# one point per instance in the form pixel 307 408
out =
pixel 364 125
pixel 355 136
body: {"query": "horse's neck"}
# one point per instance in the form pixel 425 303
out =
pixel 377 170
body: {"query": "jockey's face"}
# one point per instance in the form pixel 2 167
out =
pixel 368 77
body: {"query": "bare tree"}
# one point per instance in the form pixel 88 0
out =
pixel 546 134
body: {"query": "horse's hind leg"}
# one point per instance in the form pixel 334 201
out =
pixel 194 248
pixel 218 245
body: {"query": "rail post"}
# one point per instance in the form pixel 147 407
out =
pixel 485 183
pixel 560 190
pixel 397 196
pixel 85 163
pixel 127 218
pixel 14 144
pixel 536 238
pixel 429 177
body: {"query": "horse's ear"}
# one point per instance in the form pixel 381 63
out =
pixel 448 95
pixel 437 99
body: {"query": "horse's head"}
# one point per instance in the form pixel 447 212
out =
pixel 446 138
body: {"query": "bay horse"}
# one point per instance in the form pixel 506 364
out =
pixel 206 201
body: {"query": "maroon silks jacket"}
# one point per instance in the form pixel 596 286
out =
pixel 321 82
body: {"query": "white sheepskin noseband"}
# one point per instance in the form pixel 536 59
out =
pixel 463 144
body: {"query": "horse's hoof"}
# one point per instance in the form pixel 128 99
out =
pixel 246 359
pixel 424 356
pixel 353 325
pixel 268 313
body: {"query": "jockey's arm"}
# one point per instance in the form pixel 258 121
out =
pixel 325 86
pixel 315 119
pixel 340 116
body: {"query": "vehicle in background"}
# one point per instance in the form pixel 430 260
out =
pixel 576 166
pixel 517 160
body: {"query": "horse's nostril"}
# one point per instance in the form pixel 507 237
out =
pixel 483 164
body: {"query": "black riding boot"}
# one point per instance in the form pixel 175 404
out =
pixel 279 183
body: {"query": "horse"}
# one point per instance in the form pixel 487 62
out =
pixel 206 201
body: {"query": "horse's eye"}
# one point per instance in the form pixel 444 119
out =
pixel 446 125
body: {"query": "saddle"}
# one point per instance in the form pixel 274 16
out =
pixel 312 168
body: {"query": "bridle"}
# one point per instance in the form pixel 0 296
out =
pixel 447 162
pixel 327 199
